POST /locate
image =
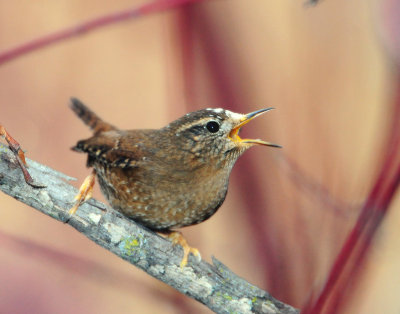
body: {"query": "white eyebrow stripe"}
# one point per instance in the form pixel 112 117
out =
pixel 230 114
pixel 233 115
pixel 216 110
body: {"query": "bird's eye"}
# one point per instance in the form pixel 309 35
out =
pixel 212 126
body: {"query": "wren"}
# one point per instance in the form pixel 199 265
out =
pixel 165 178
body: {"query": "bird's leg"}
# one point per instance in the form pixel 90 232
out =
pixel 85 192
pixel 19 154
pixel 177 238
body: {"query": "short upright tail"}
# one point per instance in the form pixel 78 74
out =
pixel 89 117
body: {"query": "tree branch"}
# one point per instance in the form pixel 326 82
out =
pixel 213 285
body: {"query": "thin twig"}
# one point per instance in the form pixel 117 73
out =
pixel 90 25
pixel 213 285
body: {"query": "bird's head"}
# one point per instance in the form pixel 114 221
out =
pixel 212 135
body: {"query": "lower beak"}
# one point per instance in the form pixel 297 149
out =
pixel 234 134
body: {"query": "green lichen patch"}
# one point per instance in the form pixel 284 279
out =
pixel 131 245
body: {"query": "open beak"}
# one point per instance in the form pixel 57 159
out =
pixel 234 133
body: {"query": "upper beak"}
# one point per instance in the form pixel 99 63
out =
pixel 234 133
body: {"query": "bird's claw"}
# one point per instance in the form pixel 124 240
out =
pixel 177 238
pixel 85 192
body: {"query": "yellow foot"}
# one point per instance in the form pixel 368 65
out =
pixel 85 192
pixel 177 238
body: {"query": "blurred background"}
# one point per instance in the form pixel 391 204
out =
pixel 331 72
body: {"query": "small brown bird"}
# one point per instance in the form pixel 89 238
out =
pixel 167 178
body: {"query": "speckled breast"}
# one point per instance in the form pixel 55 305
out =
pixel 157 208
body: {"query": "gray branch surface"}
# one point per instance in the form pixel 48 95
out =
pixel 215 285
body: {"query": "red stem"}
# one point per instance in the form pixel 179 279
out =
pixel 358 242
pixel 102 21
